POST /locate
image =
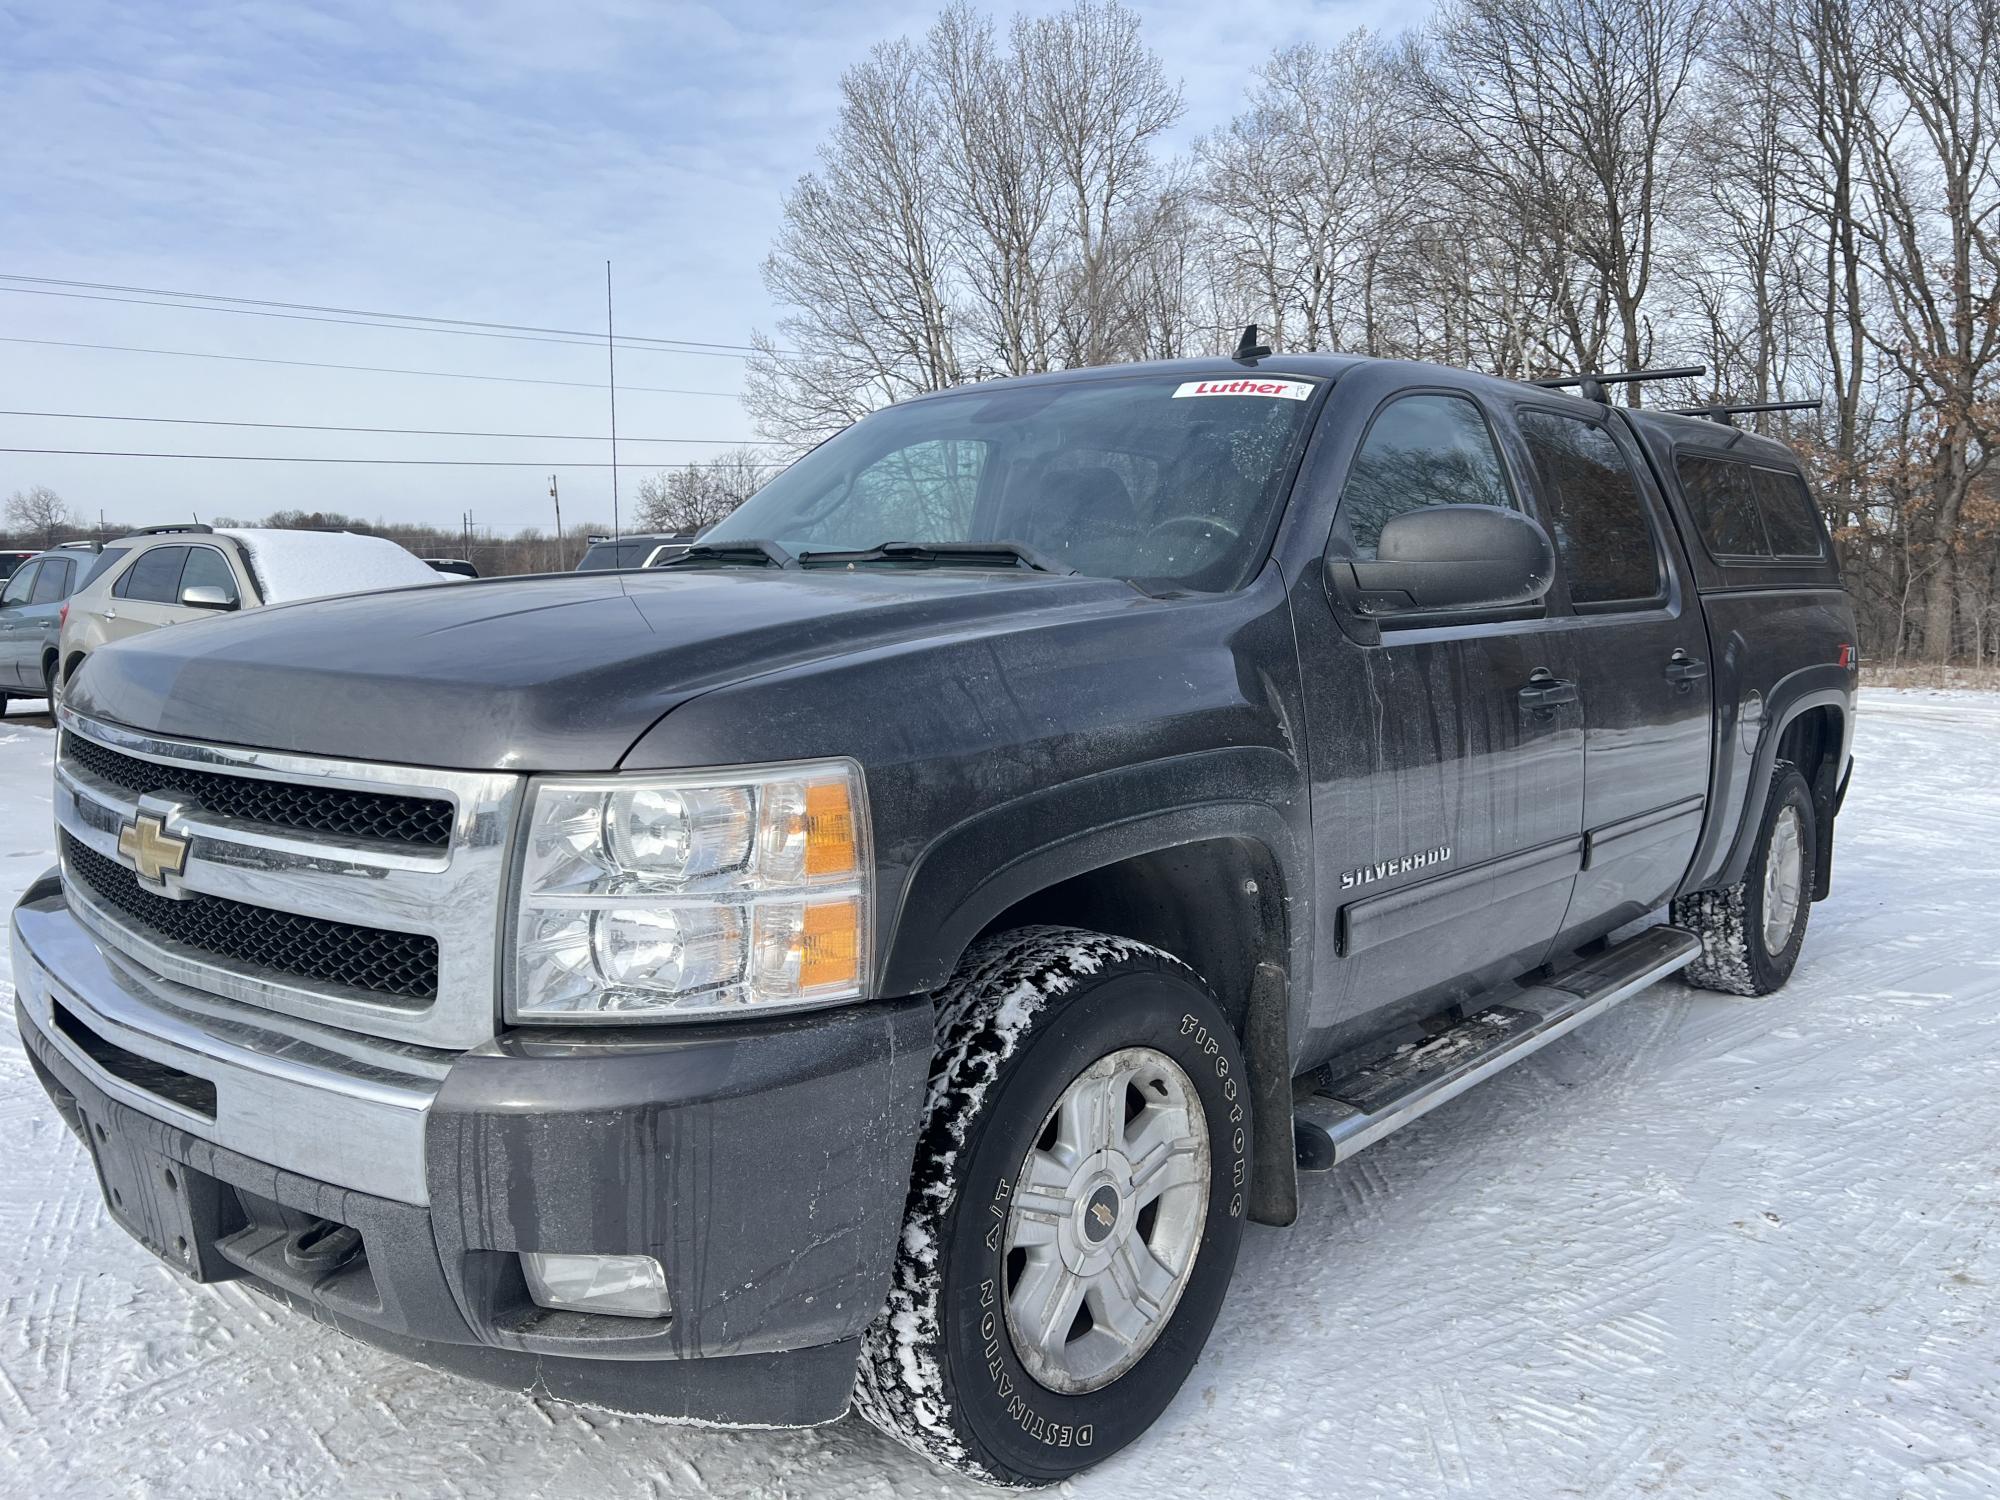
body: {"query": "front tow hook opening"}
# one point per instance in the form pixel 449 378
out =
pixel 322 1247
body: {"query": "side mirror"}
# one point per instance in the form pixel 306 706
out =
pixel 206 596
pixel 1453 557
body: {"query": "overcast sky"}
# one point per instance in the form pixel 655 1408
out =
pixel 453 159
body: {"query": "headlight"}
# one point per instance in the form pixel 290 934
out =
pixel 648 897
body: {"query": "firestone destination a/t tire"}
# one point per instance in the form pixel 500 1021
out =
pixel 1087 1144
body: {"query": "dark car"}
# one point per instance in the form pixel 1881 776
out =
pixel 646 550
pixel 914 932
pixel 9 561
pixel 31 610
pixel 454 565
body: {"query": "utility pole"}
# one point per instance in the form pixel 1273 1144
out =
pixel 611 364
pixel 561 561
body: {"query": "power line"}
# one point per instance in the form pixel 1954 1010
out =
pixel 314 364
pixel 252 312
pixel 296 458
pixel 359 312
pixel 559 437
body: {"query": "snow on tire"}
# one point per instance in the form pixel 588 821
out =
pixel 1036 1025
pixel 1738 954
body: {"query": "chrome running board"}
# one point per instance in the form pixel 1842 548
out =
pixel 1341 1116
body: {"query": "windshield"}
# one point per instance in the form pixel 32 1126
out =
pixel 1157 479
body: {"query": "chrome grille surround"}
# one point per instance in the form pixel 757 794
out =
pixel 455 894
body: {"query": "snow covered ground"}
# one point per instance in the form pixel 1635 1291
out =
pixel 1706 1246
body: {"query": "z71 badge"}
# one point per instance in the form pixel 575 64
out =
pixel 1369 874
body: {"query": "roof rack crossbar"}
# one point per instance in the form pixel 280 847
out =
pixel 1591 384
pixel 170 528
pixel 1726 412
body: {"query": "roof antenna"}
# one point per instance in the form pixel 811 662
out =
pixel 1247 347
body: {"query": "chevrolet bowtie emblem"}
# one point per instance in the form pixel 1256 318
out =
pixel 1103 1215
pixel 147 847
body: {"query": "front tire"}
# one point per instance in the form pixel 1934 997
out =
pixel 1751 932
pixel 1075 1209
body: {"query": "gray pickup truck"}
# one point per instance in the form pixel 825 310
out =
pixel 883 958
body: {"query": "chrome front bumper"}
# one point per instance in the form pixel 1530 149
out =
pixel 346 1109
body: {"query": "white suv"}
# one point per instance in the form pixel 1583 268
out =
pixel 168 574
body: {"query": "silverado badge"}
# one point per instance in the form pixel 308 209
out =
pixel 148 848
pixel 1369 874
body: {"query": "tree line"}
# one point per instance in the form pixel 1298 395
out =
pixel 1802 195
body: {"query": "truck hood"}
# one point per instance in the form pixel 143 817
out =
pixel 562 672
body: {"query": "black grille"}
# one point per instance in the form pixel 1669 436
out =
pixel 424 822
pixel 363 958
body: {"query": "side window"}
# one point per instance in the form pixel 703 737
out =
pixel 52 587
pixel 1421 450
pixel 1593 503
pixel 1725 511
pixel 155 577
pixel 20 585
pixel 207 567
pixel 1787 507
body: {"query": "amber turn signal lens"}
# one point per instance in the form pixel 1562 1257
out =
pixel 830 843
pixel 829 944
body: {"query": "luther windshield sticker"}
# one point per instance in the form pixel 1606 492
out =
pixel 1284 390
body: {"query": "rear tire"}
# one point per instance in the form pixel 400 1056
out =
pixel 1059 1050
pixel 50 685
pixel 1751 932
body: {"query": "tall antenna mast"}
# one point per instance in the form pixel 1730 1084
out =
pixel 611 363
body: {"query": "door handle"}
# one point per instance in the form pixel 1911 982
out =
pixel 1684 668
pixel 1547 693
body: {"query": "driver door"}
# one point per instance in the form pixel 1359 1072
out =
pixel 1446 750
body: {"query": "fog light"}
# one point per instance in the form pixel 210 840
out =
pixel 625 1286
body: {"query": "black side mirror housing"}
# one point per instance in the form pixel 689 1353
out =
pixel 1451 557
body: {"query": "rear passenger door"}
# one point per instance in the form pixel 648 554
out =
pixel 147 595
pixel 1641 650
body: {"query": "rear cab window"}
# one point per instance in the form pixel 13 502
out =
pixel 1750 512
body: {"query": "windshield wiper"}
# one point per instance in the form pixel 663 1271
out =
pixel 1016 554
pixel 765 554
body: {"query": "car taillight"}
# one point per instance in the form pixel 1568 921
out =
pixel 1846 656
pixel 62 616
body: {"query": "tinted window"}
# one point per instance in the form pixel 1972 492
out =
pixel 52 586
pixel 1787 507
pixel 1593 502
pixel 156 576
pixel 19 585
pixel 1421 450
pixel 207 568
pixel 1724 509
pixel 99 563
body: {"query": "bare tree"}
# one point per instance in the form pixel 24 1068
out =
pixel 1934 170
pixel 694 497
pixel 41 512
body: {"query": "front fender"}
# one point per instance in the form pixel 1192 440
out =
pixel 979 868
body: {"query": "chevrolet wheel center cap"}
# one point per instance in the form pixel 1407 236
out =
pixel 1100 1215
